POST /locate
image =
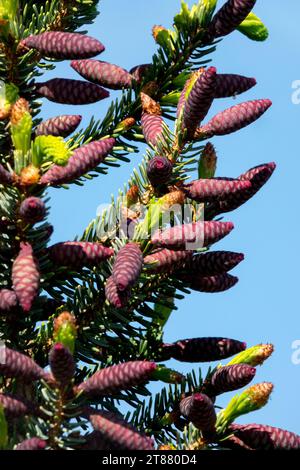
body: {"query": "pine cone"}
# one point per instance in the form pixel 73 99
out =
pixel 20 366
pixel 206 190
pixel 229 17
pixel 203 349
pixel 68 91
pixel 213 263
pixel 228 85
pixel 211 284
pixel 119 377
pixel 62 364
pixel 119 433
pixel 25 276
pixel 235 118
pixel 261 437
pixel 79 254
pixel 16 407
pixel 199 100
pixel 229 378
pixel 32 210
pixel 258 177
pixel 34 443
pixel 116 298
pixel 60 126
pixel 159 170
pixel 8 300
pixel 103 73
pixel 152 127
pixel 5 176
pixel 83 160
pixel 167 261
pixel 200 233
pixel 127 266
pixel 199 410
pixel 62 45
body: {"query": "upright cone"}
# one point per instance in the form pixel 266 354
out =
pixel 26 276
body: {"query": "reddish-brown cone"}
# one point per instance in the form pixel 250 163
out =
pixel 83 160
pixel 62 364
pixel 199 100
pixel 152 127
pixel 34 443
pixel 261 437
pixel 105 74
pixel 119 433
pixel 127 266
pixel 213 263
pixel 20 366
pixel 229 378
pixel 166 261
pixel 198 233
pixel 235 118
pixel 25 276
pixel 159 170
pixel 63 45
pixel 119 377
pixel 79 254
pixel 32 210
pixel 114 296
pixel 68 91
pixel 258 176
pixel 59 126
pixel 229 17
pixel 5 176
pixel 231 85
pixel 16 407
pixel 199 409
pixel 203 349
pixel 8 300
pixel 211 284
pixel 206 190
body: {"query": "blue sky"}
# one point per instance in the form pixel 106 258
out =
pixel 264 305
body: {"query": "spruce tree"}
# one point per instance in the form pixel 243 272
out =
pixel 83 321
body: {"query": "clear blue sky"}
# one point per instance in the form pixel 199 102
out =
pixel 264 305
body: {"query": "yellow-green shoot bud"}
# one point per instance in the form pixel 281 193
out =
pixel 171 99
pixel 252 399
pixel 3 429
pixel 8 11
pixel 208 162
pixel 65 330
pixel 253 28
pixel 164 37
pixel 167 375
pixel 9 93
pixel 21 133
pixel 47 148
pixel 254 356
